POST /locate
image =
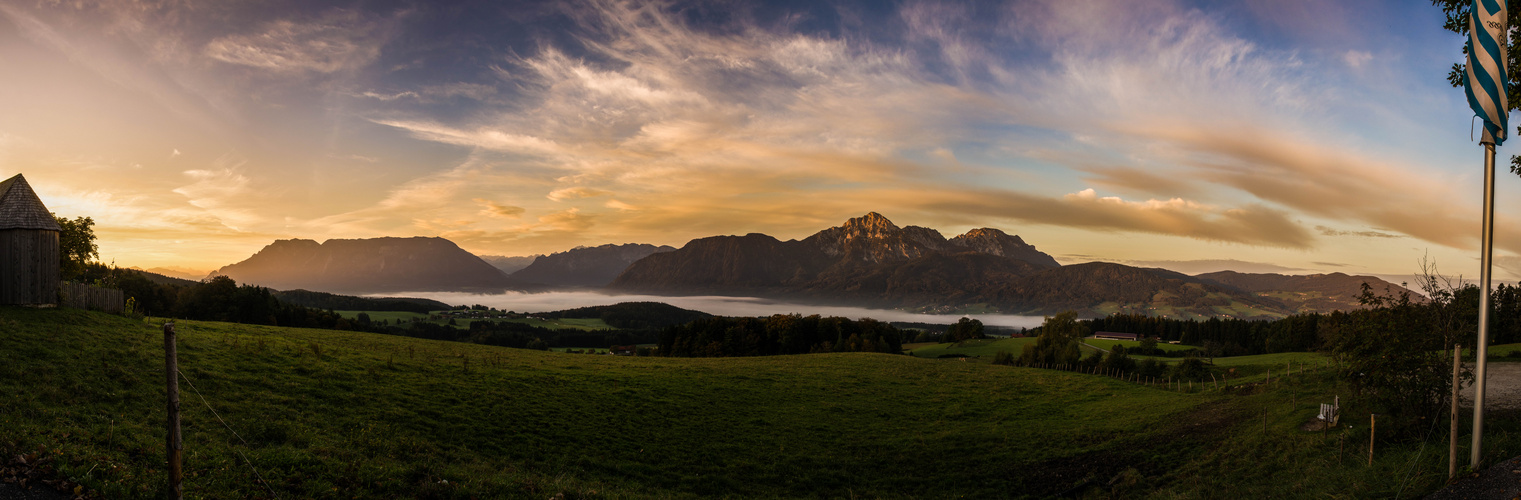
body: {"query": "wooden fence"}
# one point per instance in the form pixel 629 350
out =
pixel 83 296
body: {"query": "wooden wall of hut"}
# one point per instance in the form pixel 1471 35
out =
pixel 28 266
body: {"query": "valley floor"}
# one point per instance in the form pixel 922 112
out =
pixel 329 414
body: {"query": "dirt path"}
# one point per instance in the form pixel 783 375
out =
pixel 1503 389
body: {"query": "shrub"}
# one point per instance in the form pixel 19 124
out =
pixel 1190 368
pixel 1093 359
pixel 1003 358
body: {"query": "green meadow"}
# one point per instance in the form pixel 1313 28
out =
pixel 330 414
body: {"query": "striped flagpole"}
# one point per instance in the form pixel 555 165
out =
pixel 1485 82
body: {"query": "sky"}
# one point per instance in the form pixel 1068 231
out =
pixel 1287 136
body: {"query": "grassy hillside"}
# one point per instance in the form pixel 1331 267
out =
pixel 974 348
pixel 332 414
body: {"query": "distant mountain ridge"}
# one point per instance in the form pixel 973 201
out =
pixel 173 272
pixel 585 266
pixel 870 261
pixel 1304 293
pixel 376 265
pixel 509 265
pixel 867 260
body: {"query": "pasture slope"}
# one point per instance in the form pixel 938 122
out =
pixel 331 414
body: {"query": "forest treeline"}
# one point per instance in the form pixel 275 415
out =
pixel 633 315
pixel 324 300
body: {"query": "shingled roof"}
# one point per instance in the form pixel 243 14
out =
pixel 20 208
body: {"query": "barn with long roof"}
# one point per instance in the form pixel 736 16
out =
pixel 28 246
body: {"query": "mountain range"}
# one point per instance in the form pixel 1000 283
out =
pixel 867 261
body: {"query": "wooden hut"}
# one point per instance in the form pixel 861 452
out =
pixel 28 246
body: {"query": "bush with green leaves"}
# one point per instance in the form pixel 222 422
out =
pixel 1190 368
pixel 1003 358
pixel 1057 343
pixel 965 329
pixel 1118 360
pixel 1393 353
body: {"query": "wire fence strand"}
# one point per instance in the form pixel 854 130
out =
pixel 234 434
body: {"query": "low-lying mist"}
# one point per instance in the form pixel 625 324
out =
pixel 722 306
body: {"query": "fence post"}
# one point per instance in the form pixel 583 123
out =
pixel 1372 431
pixel 1452 438
pixel 174 444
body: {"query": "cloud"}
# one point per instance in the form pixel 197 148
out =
pixel 339 40
pixel 1250 225
pixel 476 91
pixel 222 193
pixel 1323 181
pixel 576 192
pixel 388 97
pixel 1366 234
pixel 428 197
pixel 494 209
pixel 484 138
pixel 1356 58
pixel 569 220
pixel 106 51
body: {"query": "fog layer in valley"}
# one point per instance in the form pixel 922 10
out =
pixel 722 306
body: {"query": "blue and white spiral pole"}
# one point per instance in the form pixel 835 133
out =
pixel 1485 83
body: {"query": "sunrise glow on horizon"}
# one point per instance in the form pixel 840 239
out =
pixel 1259 136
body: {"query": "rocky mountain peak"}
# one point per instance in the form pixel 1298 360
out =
pixel 989 240
pixel 873 238
pixel 871 225
pixel 992 241
pixel 988 232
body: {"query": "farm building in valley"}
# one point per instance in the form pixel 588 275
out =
pixel 28 246
pixel 1116 336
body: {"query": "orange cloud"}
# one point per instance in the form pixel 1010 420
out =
pixel 495 209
